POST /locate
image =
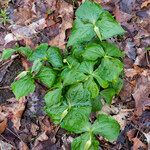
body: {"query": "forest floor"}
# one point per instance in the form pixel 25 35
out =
pixel 24 124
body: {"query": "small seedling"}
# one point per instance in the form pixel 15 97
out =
pixel 4 17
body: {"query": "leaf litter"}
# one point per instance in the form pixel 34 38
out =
pixel 51 21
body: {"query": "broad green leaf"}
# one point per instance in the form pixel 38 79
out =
pixel 77 120
pixel 81 32
pixel 108 26
pixel 108 94
pixel 109 69
pixel 102 83
pixel 92 87
pixel 77 95
pixel 26 51
pixel 73 76
pixel 87 67
pixel 77 51
pixel 54 57
pixel 7 53
pixel 71 61
pixel 23 86
pixel 53 97
pixel 57 112
pixel 96 104
pixel 106 126
pixel 46 76
pixel 111 49
pixel 40 52
pixel 117 85
pixel 89 12
pixel 93 52
pixel 37 65
pixel 85 142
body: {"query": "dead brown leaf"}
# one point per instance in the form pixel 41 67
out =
pixel 142 92
pixel 5 146
pixel 14 111
pixel 66 14
pixel 145 4
pixel 131 72
pixel 122 116
pixel 137 143
pixel 3 125
pixel 23 32
pixel 23 146
pixel 34 129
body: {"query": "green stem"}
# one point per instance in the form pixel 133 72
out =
pixel 96 29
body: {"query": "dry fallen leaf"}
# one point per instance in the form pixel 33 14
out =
pixel 5 146
pixel 21 32
pixel 23 146
pixel 41 138
pixel 142 92
pixel 14 111
pixel 3 125
pixel 66 13
pixel 145 3
pixel 121 117
pixel 131 72
pixel 137 144
pixel 34 129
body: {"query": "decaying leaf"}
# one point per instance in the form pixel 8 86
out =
pixel 21 32
pixel 3 125
pixel 15 110
pixel 5 146
pixel 66 14
pixel 23 146
pixel 142 92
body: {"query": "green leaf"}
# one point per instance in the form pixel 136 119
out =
pixel 87 67
pixel 40 52
pixel 73 76
pixel 102 83
pixel 92 87
pixel 53 97
pixel 77 95
pixel 93 51
pixel 85 142
pixel 37 65
pixel 77 51
pixel 81 32
pixel 77 120
pixel 57 112
pixel 96 104
pixel 26 51
pixel 7 53
pixel 46 76
pixel 89 12
pixel 117 85
pixel 109 69
pixel 111 49
pixel 108 94
pixel 23 86
pixel 106 126
pixel 54 57
pixel 72 62
pixel 108 26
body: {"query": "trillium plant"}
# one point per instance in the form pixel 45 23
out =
pixel 81 81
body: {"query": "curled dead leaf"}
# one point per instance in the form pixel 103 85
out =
pixel 3 125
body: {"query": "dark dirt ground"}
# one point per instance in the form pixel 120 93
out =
pixel 25 122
